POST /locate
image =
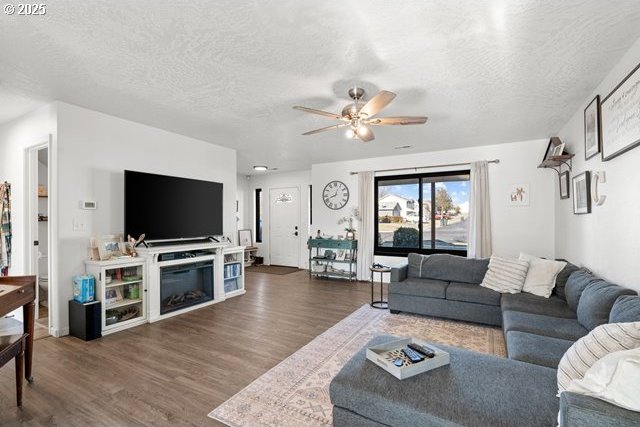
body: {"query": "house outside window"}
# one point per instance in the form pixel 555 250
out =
pixel 424 213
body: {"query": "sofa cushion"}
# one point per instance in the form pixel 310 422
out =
pixel 450 268
pixel 575 285
pixel 420 288
pixel 541 275
pixel 596 302
pixel 603 340
pixel 473 390
pixel 625 309
pixel 467 292
pixel 536 349
pixel 562 277
pixel 527 303
pixel 557 327
pixel 505 275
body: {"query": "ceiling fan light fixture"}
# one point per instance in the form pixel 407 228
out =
pixel 260 168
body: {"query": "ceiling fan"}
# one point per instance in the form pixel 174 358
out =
pixel 360 116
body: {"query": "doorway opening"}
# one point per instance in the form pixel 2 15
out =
pixel 39 232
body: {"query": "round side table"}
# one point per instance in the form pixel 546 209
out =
pixel 380 303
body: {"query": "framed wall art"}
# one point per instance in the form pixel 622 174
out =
pixel 564 184
pixel 245 238
pixel 519 195
pixel 620 112
pixel 592 128
pixel 582 193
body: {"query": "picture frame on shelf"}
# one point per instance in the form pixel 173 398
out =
pixel 592 134
pixel 620 121
pixel 554 142
pixel 564 185
pixel 347 256
pixel 110 246
pixel 112 295
pixel 557 150
pixel 582 193
pixel 340 254
pixel 245 238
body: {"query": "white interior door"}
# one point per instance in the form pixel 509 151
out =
pixel 284 227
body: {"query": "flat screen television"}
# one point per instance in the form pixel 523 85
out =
pixel 168 207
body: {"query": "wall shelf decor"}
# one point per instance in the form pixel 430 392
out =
pixel 553 160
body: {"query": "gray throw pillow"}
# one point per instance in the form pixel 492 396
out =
pixel 578 280
pixel 625 309
pixel 562 277
pixel 596 302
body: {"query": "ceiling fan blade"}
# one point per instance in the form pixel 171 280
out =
pixel 407 120
pixel 319 112
pixel 377 103
pixel 365 134
pixel 341 125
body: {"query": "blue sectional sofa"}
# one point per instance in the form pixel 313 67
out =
pixel 482 390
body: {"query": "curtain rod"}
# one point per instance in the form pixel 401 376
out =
pixel 426 167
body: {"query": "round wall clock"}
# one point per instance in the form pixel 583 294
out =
pixel 335 195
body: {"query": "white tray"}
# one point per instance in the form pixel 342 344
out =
pixel 384 354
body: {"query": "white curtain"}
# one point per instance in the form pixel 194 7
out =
pixel 365 233
pixel 479 212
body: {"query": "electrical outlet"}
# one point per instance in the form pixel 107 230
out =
pixel 79 225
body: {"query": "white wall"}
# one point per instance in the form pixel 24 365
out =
pixel 93 152
pixel 245 205
pixel 15 136
pixel 268 181
pixel 515 229
pixel 607 241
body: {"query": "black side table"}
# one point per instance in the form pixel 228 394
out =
pixel 382 303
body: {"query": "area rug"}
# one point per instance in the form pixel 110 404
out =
pixel 272 269
pixel 296 391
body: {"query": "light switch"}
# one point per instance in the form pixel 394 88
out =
pixel 79 225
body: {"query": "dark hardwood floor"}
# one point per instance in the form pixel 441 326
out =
pixel 175 371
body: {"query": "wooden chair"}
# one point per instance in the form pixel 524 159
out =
pixel 12 347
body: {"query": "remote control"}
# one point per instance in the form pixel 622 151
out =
pixel 413 355
pixel 422 349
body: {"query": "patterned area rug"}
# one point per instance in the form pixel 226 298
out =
pixel 296 392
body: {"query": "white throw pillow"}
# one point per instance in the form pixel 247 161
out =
pixel 505 275
pixel 541 276
pixel 615 378
pixel 604 339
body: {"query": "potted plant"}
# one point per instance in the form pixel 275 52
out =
pixel 348 220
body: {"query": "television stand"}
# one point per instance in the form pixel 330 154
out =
pixel 196 271
pixel 156 243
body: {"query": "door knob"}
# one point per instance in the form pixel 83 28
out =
pixel 295 234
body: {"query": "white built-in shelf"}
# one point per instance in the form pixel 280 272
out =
pixel 116 283
pixel 125 302
pixel 234 277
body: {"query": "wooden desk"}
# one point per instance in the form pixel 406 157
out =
pixel 16 292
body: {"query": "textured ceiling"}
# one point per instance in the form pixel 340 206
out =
pixel 229 72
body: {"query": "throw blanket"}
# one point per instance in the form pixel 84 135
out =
pixel 5 228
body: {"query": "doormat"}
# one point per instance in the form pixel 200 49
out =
pixel 295 393
pixel 272 269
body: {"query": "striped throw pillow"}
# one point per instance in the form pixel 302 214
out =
pixel 505 275
pixel 604 339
